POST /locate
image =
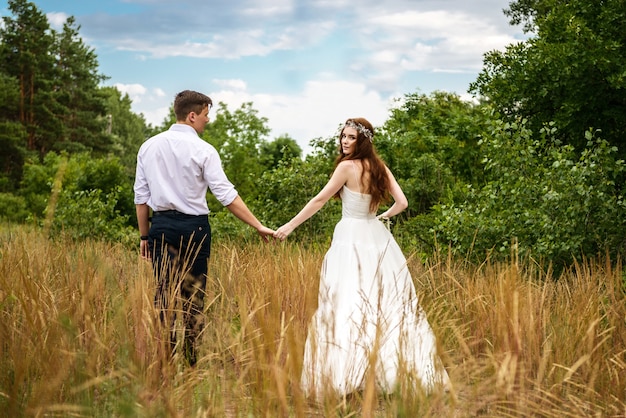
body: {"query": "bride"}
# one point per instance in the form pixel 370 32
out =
pixel 368 318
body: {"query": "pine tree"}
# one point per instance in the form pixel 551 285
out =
pixel 81 104
pixel 26 54
pixel 61 104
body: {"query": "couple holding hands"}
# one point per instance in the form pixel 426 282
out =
pixel 368 314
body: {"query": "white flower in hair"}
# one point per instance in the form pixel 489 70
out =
pixel 359 127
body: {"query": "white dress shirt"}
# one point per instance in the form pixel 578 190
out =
pixel 174 170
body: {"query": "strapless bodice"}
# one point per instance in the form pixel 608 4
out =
pixel 355 204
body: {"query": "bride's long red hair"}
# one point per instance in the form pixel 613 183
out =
pixel 378 186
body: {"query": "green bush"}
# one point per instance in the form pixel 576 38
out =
pixel 284 191
pixel 541 197
pixel 13 208
pixel 80 196
pixel 225 226
pixel 92 214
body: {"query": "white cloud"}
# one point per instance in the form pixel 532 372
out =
pixel 261 8
pixel 232 84
pixel 369 56
pixel 233 44
pixel 436 39
pixel 395 43
pixel 156 116
pixel 247 44
pixel 152 103
pixel 57 19
pixel 315 112
pixel 136 92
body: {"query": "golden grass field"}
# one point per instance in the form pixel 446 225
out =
pixel 79 336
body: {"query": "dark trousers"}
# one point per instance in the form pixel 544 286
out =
pixel 181 245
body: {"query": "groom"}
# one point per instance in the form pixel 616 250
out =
pixel 174 171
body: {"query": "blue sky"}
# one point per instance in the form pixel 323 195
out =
pixel 307 65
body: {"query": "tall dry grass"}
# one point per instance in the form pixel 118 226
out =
pixel 79 337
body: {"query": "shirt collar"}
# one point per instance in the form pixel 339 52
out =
pixel 181 127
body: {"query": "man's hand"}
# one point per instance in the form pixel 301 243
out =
pixel 144 250
pixel 265 232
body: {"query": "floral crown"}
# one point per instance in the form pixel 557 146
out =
pixel 359 127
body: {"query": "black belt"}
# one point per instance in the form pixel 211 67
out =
pixel 175 214
pixel 167 212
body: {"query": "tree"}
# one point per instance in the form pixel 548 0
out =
pixel 94 195
pixel 283 191
pixel 60 103
pixel 80 103
pixel 26 53
pixel 430 143
pixel 541 199
pixel 238 136
pixel 127 129
pixel 571 71
pixel 12 135
pixel 282 149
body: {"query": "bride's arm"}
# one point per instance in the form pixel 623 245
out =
pixel 338 179
pixel 400 202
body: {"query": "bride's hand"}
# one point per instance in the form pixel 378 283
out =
pixel 282 232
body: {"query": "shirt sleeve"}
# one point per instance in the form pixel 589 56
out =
pixel 223 190
pixel 142 191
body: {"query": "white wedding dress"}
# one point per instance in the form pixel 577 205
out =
pixel 368 313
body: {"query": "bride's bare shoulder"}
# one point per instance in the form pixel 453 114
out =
pixel 345 165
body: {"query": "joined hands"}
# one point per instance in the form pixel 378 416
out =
pixel 265 233
pixel 282 232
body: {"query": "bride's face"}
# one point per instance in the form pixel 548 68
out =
pixel 348 140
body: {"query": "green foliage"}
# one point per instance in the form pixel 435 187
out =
pixel 13 208
pixel 237 136
pixel 241 140
pixel 95 200
pixel 27 54
pixel 430 143
pixel 285 185
pixel 225 226
pixel 284 191
pixel 12 135
pixel 54 91
pixel 572 71
pixel 93 214
pixel 539 198
pixel 127 129
pixel 324 149
pixel 79 102
pixel 37 181
pixel 283 148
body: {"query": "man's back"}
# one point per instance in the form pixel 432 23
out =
pixel 174 170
